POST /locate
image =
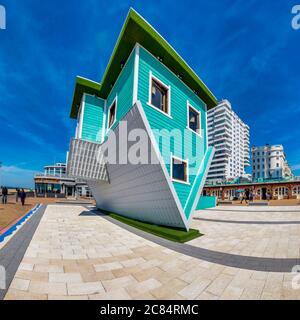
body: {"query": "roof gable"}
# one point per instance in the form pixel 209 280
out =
pixel 137 30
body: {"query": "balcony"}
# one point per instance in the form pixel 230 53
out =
pixel 47 175
pixel 223 132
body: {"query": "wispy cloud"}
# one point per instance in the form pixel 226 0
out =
pixel 13 176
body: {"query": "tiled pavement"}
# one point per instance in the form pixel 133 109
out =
pixel 77 255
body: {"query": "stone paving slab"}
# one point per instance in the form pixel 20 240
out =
pixel 76 254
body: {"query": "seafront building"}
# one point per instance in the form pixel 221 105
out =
pixel 269 162
pixel 276 189
pixel 146 87
pixel 230 137
pixel 54 182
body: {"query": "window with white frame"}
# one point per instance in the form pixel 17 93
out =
pixel 281 191
pixel 159 95
pixel 296 191
pixel 112 111
pixel 179 170
pixel 194 119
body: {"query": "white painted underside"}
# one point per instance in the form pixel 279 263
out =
pixel 140 191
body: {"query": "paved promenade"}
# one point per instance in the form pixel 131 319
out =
pixel 245 254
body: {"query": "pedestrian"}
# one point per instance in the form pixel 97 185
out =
pixel 244 197
pixel 17 194
pixel 247 194
pixel 4 195
pixel 251 196
pixel 23 197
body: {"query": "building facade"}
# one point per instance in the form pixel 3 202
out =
pixel 54 182
pixel 58 169
pixel 269 162
pixel 231 138
pixel 276 189
pixel 149 90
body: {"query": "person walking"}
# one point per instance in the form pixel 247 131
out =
pixel 247 194
pixel 251 196
pixel 23 197
pixel 17 195
pixel 4 195
pixel 244 197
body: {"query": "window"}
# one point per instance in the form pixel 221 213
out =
pixel 193 119
pixel 296 190
pixel 159 95
pixel 281 191
pixel 179 170
pixel 112 114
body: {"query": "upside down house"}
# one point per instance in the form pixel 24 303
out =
pixel 149 87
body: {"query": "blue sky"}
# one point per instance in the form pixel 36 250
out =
pixel 245 51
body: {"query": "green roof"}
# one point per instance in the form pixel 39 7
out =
pixel 137 30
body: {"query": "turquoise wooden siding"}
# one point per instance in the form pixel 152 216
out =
pixel 123 88
pixel 199 179
pixel 194 145
pixel 92 119
pixel 206 202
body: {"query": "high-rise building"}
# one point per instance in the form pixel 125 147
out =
pixel 230 137
pixel 269 162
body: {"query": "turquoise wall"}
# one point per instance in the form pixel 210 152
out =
pixel 204 166
pixel 180 94
pixel 123 88
pixel 95 108
pixel 184 144
pixel 92 119
pixel 206 202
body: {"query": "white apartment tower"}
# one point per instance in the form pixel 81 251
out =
pixel 230 137
pixel 269 162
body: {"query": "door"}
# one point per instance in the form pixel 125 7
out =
pixel 264 193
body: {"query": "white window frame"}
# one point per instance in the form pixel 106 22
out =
pixel 168 88
pixel 108 113
pixel 187 170
pixel 188 106
pixel 296 191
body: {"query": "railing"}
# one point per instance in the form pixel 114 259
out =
pixel 57 175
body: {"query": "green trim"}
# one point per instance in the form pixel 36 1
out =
pixel 137 30
pixel 83 86
pixel 173 234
